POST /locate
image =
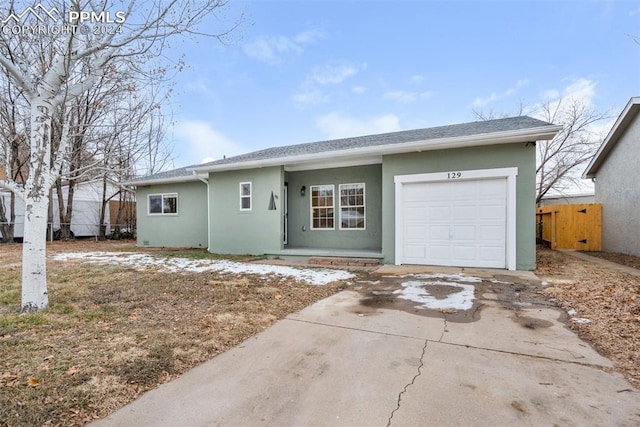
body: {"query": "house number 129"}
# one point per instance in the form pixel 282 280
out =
pixel 454 175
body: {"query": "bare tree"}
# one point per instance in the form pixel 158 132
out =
pixel 558 159
pixel 134 134
pixel 13 151
pixel 93 35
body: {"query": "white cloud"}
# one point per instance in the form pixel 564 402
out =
pixel 358 89
pixel 406 97
pixel 198 142
pixel 197 85
pixel 311 96
pixel 483 102
pixel 332 73
pixel 417 79
pixel 311 91
pixel 634 12
pixel 581 90
pixel 271 49
pixel 550 94
pixel 336 125
pixel 310 36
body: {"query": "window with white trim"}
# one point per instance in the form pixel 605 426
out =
pixel 246 200
pixel 322 203
pixel 352 207
pixel 162 204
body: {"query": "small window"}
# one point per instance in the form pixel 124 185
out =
pixel 352 207
pixel 163 204
pixel 322 207
pixel 245 196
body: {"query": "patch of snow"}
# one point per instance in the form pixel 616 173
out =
pixel 381 292
pixel 581 320
pixel 572 312
pixel 441 276
pixel 545 283
pixel 176 265
pixel 523 304
pixel 417 291
pixel 500 282
pixel 370 282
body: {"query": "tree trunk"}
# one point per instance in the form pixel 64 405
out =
pixel 103 207
pixel 68 216
pixel 37 189
pixel 6 227
pixel 34 255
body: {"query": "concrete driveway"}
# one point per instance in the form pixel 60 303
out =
pixel 367 357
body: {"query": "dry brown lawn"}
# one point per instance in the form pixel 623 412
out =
pixel 609 299
pixel 112 332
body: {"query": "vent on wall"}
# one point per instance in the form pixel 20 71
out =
pixel 145 243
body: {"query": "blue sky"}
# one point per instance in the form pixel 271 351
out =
pixel 300 71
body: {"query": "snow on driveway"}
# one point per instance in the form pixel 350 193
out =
pixel 176 265
pixel 418 291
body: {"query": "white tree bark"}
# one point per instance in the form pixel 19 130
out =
pixel 36 197
pixel 35 296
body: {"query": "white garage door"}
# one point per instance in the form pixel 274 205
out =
pixel 455 223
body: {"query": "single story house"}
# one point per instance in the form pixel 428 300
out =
pixel 457 195
pixel 617 187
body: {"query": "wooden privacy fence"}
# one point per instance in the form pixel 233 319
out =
pixel 576 227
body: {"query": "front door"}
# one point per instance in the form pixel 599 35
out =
pixel 286 212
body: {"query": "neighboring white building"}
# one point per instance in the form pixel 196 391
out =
pixel 87 201
pixel 568 199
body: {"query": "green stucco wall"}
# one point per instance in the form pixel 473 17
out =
pixel 300 208
pixel 518 155
pixel 187 229
pixel 257 231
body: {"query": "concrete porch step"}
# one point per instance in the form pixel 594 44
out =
pixel 351 262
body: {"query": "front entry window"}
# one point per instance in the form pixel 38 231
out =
pixel 352 207
pixel 322 207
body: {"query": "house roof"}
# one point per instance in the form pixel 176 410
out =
pixel 183 174
pixel 620 126
pixel 369 149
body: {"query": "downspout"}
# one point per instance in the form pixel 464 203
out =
pixel 206 181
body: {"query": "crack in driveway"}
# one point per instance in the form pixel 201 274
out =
pixel 415 377
pixel 404 390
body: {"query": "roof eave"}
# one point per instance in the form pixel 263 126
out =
pixel 619 127
pixel 157 181
pixel 505 137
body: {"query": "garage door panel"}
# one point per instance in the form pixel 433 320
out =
pixel 488 233
pixel 439 213
pixel 465 212
pixel 436 191
pixel 466 253
pixel 438 232
pixel 440 254
pixel 491 256
pixel 465 232
pixel 493 211
pixel 418 233
pixel 459 223
pixel 416 251
pixel 416 211
pixel 489 187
